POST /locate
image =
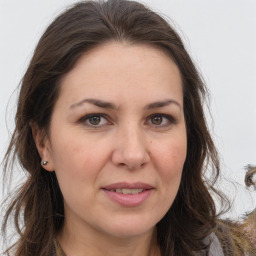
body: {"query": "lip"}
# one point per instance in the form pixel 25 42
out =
pixel 128 200
pixel 135 185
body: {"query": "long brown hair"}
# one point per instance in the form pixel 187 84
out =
pixel 39 201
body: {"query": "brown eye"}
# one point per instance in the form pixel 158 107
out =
pixel 161 120
pixel 94 120
pixel 156 120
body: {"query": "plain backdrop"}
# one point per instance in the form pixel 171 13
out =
pixel 220 35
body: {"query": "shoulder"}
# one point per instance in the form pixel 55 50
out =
pixel 53 250
pixel 234 238
pixel 215 248
pixel 56 249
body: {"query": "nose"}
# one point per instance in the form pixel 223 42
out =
pixel 131 149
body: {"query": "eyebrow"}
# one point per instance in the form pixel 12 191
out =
pixel 96 102
pixel 160 104
pixel 105 104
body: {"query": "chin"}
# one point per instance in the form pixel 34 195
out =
pixel 131 227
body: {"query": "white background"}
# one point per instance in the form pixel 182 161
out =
pixel 220 36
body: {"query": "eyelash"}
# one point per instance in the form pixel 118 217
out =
pixel 86 118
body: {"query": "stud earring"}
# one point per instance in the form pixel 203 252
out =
pixel 44 162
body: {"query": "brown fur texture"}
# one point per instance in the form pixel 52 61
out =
pixel 250 177
pixel 236 238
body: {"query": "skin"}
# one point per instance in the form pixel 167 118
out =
pixel 127 145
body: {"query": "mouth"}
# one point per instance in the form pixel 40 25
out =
pixel 128 188
pixel 128 191
pixel 127 194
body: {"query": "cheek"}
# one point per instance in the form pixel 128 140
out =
pixel 172 155
pixel 76 150
pixel 170 161
pixel 77 162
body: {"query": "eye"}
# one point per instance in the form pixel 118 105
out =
pixel 161 120
pixel 95 120
pixel 156 120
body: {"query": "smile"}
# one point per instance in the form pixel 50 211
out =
pixel 126 194
pixel 128 191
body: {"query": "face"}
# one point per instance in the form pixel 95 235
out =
pixel 118 139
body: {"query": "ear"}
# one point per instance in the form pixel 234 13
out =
pixel 43 147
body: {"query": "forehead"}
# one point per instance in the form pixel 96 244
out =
pixel 118 68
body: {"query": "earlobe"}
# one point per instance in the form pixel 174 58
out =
pixel 43 147
pixel 48 166
pixel 44 162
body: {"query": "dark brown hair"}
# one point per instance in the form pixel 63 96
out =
pixel 39 201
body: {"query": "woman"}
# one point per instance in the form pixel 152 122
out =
pixel 111 131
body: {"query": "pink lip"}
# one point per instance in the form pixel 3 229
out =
pixel 130 199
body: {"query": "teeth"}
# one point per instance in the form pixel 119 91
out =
pixel 127 191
